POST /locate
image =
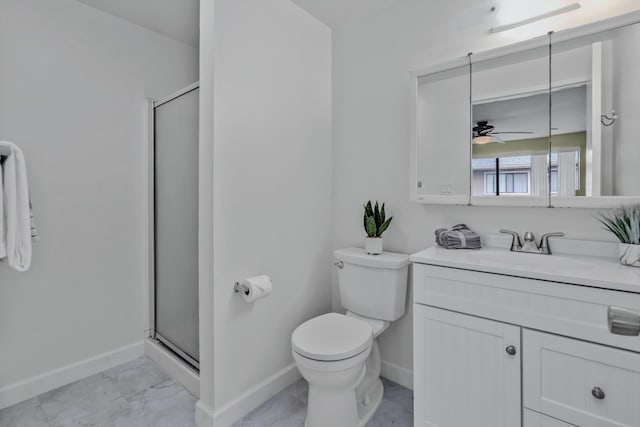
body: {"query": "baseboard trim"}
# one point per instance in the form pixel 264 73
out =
pixel 397 374
pixel 204 415
pixel 254 397
pixel 177 369
pixel 34 386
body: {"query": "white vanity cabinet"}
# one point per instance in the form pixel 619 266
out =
pixel 468 372
pixel 494 347
pixel 587 384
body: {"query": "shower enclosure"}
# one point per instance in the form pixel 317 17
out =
pixel 174 224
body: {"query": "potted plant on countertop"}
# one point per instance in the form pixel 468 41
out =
pixel 375 224
pixel 624 223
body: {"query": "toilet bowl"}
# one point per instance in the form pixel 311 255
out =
pixel 337 353
pixel 331 353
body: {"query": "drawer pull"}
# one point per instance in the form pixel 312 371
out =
pixel 511 350
pixel 598 393
pixel 623 322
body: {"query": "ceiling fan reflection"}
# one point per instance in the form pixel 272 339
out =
pixel 484 133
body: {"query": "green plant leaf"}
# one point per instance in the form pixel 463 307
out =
pixel 376 216
pixel 624 223
pixel 382 215
pixel 368 210
pixel 364 221
pixel 384 227
pixel 370 226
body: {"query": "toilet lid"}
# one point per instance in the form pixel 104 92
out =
pixel 331 337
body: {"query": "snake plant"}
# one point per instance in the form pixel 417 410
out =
pixel 624 223
pixel 375 222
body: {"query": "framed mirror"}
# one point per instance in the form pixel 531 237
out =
pixel 552 121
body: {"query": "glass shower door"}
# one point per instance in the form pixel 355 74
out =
pixel 176 223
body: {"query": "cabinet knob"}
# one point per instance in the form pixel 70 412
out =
pixel 511 350
pixel 598 393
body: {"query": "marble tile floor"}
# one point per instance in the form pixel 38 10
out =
pixel 135 394
pixel 289 408
pixel 139 394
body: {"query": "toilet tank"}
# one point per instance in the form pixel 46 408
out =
pixel 372 285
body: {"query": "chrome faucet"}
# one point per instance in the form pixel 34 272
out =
pixel 530 246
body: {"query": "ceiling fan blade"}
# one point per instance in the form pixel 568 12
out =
pixel 498 139
pixel 496 133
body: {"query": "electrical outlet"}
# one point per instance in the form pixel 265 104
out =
pixel 446 188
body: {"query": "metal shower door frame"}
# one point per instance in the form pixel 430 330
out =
pixel 151 331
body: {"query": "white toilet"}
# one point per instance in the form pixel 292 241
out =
pixel 338 354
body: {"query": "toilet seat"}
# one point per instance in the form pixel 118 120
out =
pixel 378 326
pixel 331 337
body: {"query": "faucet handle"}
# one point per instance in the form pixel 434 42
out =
pixel 516 244
pixel 544 241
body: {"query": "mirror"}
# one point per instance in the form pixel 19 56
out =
pixel 609 67
pixel 443 136
pixel 484 134
pixel 510 129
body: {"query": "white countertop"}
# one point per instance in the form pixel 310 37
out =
pixel 586 270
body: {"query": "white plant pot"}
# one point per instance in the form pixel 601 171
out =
pixel 373 245
pixel 629 254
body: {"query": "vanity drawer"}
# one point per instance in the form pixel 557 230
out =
pixel 559 308
pixel 585 384
pixel 535 419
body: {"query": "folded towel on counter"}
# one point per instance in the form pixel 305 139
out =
pixel 457 237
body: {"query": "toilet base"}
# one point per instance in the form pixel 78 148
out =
pixel 365 412
pixel 373 400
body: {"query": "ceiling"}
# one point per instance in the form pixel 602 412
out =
pixel 176 19
pixel 333 12
pixel 476 13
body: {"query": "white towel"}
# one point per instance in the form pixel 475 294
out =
pixel 17 217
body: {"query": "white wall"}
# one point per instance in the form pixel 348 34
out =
pixel 204 407
pixel 372 57
pixel 272 184
pixel 73 84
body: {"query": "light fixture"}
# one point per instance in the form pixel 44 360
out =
pixel 482 139
pixel 560 11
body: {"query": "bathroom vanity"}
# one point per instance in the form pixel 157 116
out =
pixel 511 339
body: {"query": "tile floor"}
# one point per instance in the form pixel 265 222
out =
pixel 136 394
pixel 289 408
pixel 139 394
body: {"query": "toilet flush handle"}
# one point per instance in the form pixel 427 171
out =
pixel 339 264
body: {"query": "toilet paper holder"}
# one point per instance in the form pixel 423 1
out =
pixel 240 287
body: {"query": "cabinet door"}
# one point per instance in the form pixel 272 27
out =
pixel 463 371
pixel 585 384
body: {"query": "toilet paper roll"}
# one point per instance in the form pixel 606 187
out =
pixel 256 287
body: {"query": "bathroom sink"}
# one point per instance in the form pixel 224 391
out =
pixel 524 261
pixel 586 270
